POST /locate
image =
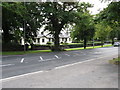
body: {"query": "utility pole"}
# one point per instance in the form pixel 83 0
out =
pixel 93 43
pixel 24 30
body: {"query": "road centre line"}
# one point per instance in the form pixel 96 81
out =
pixel 6 65
pixel 56 56
pixel 54 68
pixel 50 59
pixel 41 58
pixel 67 54
pixel 22 60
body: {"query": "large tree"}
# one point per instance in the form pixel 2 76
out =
pixel 102 31
pixel 11 14
pixel 111 16
pixel 57 14
pixel 20 19
pixel 84 29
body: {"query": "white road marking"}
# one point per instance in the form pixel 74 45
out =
pixel 21 75
pixel 41 58
pixel 22 60
pixel 49 59
pixel 54 68
pixel 67 54
pixel 56 56
pixel 6 65
pixel 59 67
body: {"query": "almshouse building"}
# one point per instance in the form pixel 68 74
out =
pixel 43 37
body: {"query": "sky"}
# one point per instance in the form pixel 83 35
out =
pixel 98 5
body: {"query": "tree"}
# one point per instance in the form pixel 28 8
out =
pixel 17 15
pixel 102 32
pixel 11 14
pixel 111 16
pixel 57 14
pixel 84 29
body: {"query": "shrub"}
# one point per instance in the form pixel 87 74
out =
pixel 49 43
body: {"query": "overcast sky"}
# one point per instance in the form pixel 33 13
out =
pixel 98 5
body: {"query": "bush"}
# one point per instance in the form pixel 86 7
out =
pixel 12 47
pixel 49 43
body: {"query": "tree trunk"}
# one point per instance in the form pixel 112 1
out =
pixel 31 46
pixel 85 43
pixel 112 41
pixel 56 42
pixel 101 43
pixel 6 35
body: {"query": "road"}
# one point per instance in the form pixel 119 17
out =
pixel 69 69
pixel 22 64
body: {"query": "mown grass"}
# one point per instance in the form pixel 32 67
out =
pixel 87 47
pixel 38 51
pixel 24 52
pixel 115 61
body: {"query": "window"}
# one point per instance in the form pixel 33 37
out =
pixel 20 41
pixel 43 40
pixel 52 40
pixel 62 39
pixel 42 33
pixel 38 40
pixel 65 39
pixel 69 39
pixel 49 39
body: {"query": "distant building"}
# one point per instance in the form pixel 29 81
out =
pixel 43 37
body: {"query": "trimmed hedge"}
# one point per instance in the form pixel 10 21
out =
pixel 16 47
pixel 12 47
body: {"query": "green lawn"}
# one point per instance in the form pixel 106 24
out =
pixel 86 48
pixel 22 52
pixel 115 61
pixel 37 51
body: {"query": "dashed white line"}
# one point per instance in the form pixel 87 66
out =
pixel 50 59
pixel 47 71
pixel 6 65
pixel 56 56
pixel 41 58
pixel 22 60
pixel 67 54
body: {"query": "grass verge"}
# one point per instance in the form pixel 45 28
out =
pixel 115 61
pixel 22 52
pixel 38 51
pixel 87 47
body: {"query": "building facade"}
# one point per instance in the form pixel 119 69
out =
pixel 43 37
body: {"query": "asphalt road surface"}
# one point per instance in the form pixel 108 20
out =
pixel 28 63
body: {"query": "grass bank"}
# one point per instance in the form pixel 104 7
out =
pixel 87 47
pixel 38 51
pixel 115 61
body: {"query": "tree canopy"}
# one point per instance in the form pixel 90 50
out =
pixel 111 16
pixel 57 14
pixel 84 28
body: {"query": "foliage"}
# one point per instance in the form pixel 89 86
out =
pixel 84 29
pixel 19 20
pixel 111 16
pixel 11 16
pixel 102 31
pixel 57 14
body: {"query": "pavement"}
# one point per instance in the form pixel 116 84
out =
pixel 71 69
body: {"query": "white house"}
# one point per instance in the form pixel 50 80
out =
pixel 43 37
